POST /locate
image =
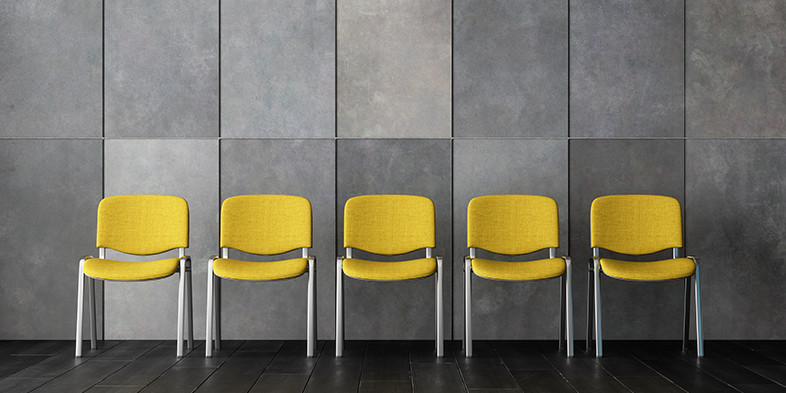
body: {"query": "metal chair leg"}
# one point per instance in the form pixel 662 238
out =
pixel 569 305
pixel 209 316
pixel 467 307
pixel 189 307
pixel 181 303
pixel 339 308
pixel 590 311
pixel 311 319
pixel 598 336
pixel 686 315
pixel 699 333
pixel 562 314
pixel 91 301
pixel 440 344
pixel 217 312
pixel 80 300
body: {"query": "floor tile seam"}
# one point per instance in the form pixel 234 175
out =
pixel 182 358
pixel 310 373
pixel 458 367
pixel 515 382
pixel 705 372
pixel 654 370
pixel 764 376
pixel 49 380
pixel 559 372
pixel 98 358
pixel 732 384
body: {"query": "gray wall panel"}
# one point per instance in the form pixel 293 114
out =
pixel 161 68
pixel 626 68
pixel 735 67
pixel 50 68
pixel 394 69
pixel 605 167
pixel 297 167
pixel 49 196
pixel 510 68
pixel 278 68
pixel 735 226
pixel 398 310
pixel 184 168
pixel 482 167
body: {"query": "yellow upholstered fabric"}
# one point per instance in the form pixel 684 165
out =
pixel 649 271
pixel 389 271
pixel 266 224
pixel 142 224
pixel 512 224
pixel 259 271
pixel 636 224
pixel 106 269
pixel 519 271
pixel 389 224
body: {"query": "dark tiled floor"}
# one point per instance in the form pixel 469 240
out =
pixel 392 366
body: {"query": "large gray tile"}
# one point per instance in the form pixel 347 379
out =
pixel 536 167
pixel 297 167
pixel 278 71
pixel 736 222
pixel 398 310
pixel 161 72
pixel 626 68
pixel 184 168
pixel 393 75
pixel 50 192
pixel 510 68
pixel 50 68
pixel 604 167
pixel 736 59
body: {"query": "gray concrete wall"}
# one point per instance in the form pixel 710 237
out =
pixel 450 100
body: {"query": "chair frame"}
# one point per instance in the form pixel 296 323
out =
pixel 566 302
pixel 213 315
pixel 340 302
pixel 593 296
pixel 184 303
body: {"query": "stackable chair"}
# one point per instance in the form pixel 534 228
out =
pixel 516 225
pixel 262 225
pixel 388 225
pixel 139 225
pixel 639 225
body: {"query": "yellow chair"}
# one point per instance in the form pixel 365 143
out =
pixel 388 225
pixel 639 225
pixel 139 225
pixel 516 225
pixel 261 225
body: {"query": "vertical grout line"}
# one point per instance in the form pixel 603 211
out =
pixel 452 176
pixel 103 143
pixel 567 219
pixel 684 125
pixel 336 249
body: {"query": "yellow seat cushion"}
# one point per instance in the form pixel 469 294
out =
pixel 519 271
pixel 259 271
pixel 390 271
pixel 106 269
pixel 668 269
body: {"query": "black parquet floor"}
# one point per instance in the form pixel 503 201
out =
pixel 392 366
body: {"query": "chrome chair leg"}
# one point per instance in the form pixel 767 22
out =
pixel 440 344
pixel 209 315
pixel 699 333
pixel 339 308
pixel 91 300
pixel 598 336
pixel 563 336
pixel 569 305
pixel 590 311
pixel 311 319
pixel 686 314
pixel 467 307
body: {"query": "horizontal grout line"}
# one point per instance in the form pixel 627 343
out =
pixel 203 138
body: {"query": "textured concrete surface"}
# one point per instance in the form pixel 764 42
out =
pixel 278 68
pixel 184 168
pixel 735 66
pixel 50 68
pixel 394 77
pixel 604 167
pixel 735 226
pixel 161 68
pixel 296 167
pixel 510 64
pixel 482 167
pixel 626 68
pixel 49 196
pixel 395 310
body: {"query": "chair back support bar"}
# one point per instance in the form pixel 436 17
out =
pixel 266 224
pixel 142 224
pixel 389 224
pixel 636 224
pixel 512 224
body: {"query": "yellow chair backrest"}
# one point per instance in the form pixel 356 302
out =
pixel 636 224
pixel 142 224
pixel 389 224
pixel 266 224
pixel 512 224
